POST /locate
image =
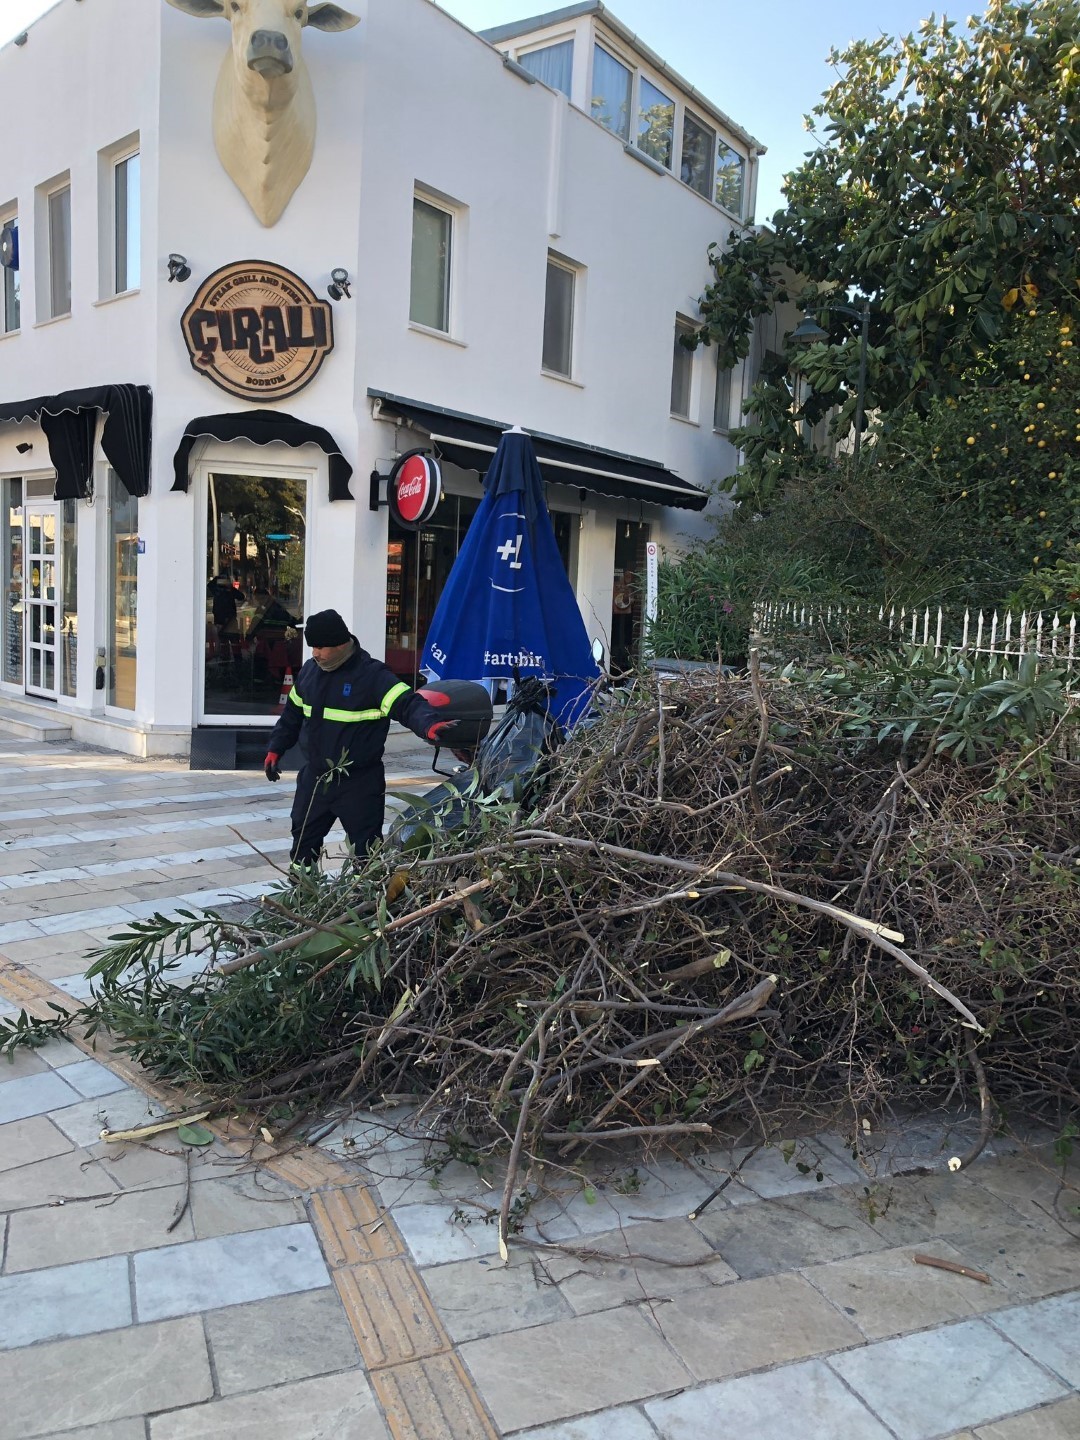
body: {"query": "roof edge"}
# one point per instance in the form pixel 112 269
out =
pixel 595 7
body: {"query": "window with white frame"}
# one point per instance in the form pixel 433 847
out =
pixel 127 222
pixel 558 356
pixel 698 150
pixel 682 369
pixel 656 123
pixel 730 172
pixel 58 220
pixel 553 64
pixel 10 306
pixel 432 240
pixel 722 398
pixel 612 91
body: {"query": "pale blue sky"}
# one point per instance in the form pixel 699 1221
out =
pixel 761 61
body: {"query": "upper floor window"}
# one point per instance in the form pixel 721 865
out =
pixel 559 318
pixel 722 399
pixel 682 370
pixel 432 238
pixel 127 226
pixel 10 308
pixel 730 171
pixel 612 87
pixel 656 123
pixel 698 149
pixel 553 64
pixel 59 223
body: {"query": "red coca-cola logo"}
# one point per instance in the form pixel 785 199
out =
pixel 415 490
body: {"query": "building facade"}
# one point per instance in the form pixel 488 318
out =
pixel 197 400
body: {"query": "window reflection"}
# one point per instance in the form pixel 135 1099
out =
pixel 123 593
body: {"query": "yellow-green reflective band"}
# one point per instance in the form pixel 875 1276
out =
pixel 294 696
pixel 346 717
pixel 391 695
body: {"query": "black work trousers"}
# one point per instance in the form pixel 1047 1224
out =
pixel 359 803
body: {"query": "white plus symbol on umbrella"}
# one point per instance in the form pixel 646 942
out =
pixel 508 548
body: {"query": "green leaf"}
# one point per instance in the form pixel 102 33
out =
pixel 195 1135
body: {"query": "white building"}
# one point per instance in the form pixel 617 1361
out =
pixel 524 219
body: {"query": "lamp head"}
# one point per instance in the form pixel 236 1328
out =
pixel 808 332
pixel 179 269
pixel 339 284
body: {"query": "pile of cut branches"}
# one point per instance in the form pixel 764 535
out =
pixel 729 907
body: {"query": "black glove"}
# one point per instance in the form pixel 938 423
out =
pixel 270 766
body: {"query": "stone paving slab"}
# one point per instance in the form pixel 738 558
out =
pixel 588 1363
pixel 1055 1422
pixel 1049 1332
pixel 65 1178
pixel 68 1300
pixel 24 1142
pixel 623 1423
pixel 886 1293
pixel 763 1322
pixel 206 1274
pixel 476 1298
pixel 807 1400
pixel 649 1264
pixel 96 1378
pixel 90 1229
pixel 788 1234
pixel 114 1430
pixel 1028 1265
pixel 270 1342
pixel 336 1406
pixel 34 1094
pixel 127 1109
pixel 927 1385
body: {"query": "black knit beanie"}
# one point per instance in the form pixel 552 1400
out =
pixel 326 628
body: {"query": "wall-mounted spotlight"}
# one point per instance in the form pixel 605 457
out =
pixel 24 448
pixel 22 39
pixel 339 285
pixel 179 269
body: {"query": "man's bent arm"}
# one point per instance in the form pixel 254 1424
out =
pixel 287 730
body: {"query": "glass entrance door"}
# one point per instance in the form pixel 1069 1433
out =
pixel 42 600
pixel 256 533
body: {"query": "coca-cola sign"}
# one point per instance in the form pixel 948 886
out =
pixel 414 489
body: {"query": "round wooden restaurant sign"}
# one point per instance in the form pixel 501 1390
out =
pixel 257 330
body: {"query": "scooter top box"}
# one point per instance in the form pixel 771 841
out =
pixel 464 701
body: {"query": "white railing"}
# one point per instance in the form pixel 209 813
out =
pixel 1052 639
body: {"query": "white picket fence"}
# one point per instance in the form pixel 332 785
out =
pixel 1010 635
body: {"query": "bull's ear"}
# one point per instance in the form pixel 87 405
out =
pixel 329 17
pixel 203 9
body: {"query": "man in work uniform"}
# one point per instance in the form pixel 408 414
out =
pixel 343 700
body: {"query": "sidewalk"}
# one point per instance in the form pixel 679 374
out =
pixel 154 1291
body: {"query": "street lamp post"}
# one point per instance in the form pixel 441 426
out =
pixel 809 332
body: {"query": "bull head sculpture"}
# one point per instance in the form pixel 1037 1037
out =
pixel 264 105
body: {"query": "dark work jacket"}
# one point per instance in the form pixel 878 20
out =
pixel 346 714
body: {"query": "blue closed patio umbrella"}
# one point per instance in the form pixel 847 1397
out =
pixel 507 609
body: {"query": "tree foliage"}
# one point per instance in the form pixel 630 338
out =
pixel 944 190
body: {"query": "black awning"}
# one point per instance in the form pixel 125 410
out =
pixel 69 421
pixel 469 441
pixel 263 427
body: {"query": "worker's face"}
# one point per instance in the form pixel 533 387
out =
pixel 327 656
